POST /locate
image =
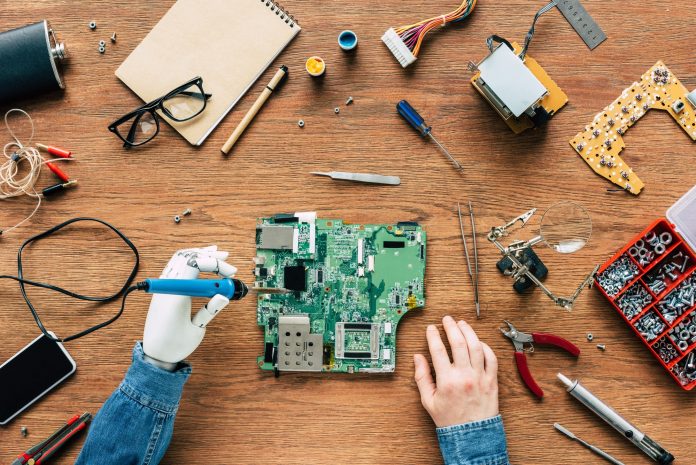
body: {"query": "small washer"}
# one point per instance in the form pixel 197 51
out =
pixel 660 248
pixel 640 243
pixel 633 251
pixel 666 238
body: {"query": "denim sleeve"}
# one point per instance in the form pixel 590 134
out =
pixel 135 424
pixel 476 443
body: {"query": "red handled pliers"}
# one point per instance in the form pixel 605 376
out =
pixel 519 339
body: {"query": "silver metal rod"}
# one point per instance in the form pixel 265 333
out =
pixel 446 152
pixel 594 449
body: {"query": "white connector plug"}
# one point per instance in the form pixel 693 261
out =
pixel 398 48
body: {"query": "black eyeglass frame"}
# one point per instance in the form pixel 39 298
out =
pixel 152 107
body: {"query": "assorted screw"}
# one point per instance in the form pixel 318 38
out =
pixel 349 100
pixel 634 300
pixel 617 275
pixel 684 334
pixel 602 347
pixel 666 350
pixel 679 300
pixel 668 272
pixel 650 326
pixel 113 38
pixel 685 370
pixel 177 218
pixel 24 431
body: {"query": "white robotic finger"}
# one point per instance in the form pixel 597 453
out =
pixel 210 310
pixel 183 264
pixel 206 263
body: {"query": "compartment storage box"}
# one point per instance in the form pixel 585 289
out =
pixel 651 282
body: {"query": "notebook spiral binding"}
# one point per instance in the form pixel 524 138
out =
pixel 281 12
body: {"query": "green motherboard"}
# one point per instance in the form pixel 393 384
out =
pixel 332 293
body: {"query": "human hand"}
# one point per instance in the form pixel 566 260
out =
pixel 466 390
pixel 170 334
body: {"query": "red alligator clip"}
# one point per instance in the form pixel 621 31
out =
pixel 519 339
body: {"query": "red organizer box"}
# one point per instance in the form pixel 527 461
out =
pixel 663 316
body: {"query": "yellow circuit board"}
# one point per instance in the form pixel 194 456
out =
pixel 553 101
pixel 601 141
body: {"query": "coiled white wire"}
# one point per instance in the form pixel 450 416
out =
pixel 16 153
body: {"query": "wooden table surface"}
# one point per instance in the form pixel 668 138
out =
pixel 231 412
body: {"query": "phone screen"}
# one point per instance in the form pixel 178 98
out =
pixel 30 374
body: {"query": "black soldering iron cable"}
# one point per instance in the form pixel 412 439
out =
pixel 124 291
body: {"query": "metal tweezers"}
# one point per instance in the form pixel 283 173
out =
pixel 475 274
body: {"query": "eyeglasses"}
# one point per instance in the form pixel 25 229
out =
pixel 142 125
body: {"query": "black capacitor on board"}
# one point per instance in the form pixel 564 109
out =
pixel 29 60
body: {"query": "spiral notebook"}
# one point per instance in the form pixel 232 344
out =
pixel 229 43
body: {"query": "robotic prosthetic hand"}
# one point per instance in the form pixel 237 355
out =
pixel 170 334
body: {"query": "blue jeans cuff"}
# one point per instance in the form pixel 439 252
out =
pixel 152 386
pixel 476 443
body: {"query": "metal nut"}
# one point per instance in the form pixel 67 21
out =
pixel 590 337
pixel 300 123
pixel 92 25
pixel 102 43
pixel 177 219
pixel 337 110
pixel 102 49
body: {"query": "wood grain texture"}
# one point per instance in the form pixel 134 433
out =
pixel 231 411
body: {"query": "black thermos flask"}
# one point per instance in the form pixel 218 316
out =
pixel 29 60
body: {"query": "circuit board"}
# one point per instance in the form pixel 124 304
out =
pixel 332 293
pixel 602 140
pixel 552 101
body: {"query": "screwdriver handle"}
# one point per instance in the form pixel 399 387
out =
pixel 414 119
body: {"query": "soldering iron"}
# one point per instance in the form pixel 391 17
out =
pixel 231 288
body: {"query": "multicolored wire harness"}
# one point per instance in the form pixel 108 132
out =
pixel 404 42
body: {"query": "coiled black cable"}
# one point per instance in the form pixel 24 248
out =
pixel 124 291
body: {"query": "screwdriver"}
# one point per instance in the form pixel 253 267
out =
pixel 416 121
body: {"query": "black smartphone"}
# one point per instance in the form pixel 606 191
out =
pixel 30 374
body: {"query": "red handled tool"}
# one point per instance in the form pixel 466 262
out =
pixel 43 451
pixel 519 339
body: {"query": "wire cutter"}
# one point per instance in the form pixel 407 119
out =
pixel 519 339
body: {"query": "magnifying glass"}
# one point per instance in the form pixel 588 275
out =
pixel 566 227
